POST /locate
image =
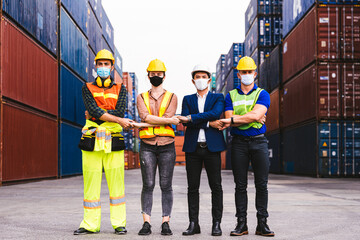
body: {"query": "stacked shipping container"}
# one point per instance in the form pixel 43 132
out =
pixel 43 115
pixel 263 28
pixel 314 124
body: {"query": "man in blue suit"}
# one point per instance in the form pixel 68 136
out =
pixel 203 144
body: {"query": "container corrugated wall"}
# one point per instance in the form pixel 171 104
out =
pixel 79 10
pixel 70 159
pixel 95 32
pixel 36 84
pixel 38 17
pixel 26 155
pixel 74 46
pixel 71 103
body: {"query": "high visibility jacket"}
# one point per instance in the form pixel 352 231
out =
pixel 164 130
pixel 243 104
pixel 105 98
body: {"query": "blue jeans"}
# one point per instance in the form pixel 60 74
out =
pixel 242 152
pixel 151 157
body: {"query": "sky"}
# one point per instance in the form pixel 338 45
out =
pixel 180 33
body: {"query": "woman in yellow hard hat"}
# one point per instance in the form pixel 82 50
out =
pixel 157 108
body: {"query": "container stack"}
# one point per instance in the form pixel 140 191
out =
pixel 313 122
pixel 220 76
pixel 54 44
pixel 213 83
pixel 263 28
pixel 29 90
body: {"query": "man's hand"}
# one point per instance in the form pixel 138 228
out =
pixel 183 119
pixel 263 119
pixel 136 125
pixel 216 124
pixel 226 123
pixel 87 115
pixel 125 123
pixel 175 120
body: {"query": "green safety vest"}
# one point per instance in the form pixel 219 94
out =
pixel 243 104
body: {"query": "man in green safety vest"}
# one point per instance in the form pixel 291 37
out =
pixel 245 111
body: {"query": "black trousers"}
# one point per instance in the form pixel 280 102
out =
pixel 242 152
pixel 194 164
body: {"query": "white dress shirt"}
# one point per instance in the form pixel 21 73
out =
pixel 201 105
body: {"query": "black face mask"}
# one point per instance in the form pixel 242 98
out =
pixel 156 81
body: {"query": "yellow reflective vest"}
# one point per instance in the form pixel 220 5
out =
pixel 164 130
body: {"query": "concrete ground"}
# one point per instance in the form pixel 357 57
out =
pixel 299 207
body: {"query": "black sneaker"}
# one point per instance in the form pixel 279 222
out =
pixel 146 229
pixel 120 230
pixel 165 229
pixel 83 231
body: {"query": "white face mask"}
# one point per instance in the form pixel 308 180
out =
pixel 201 83
pixel 247 79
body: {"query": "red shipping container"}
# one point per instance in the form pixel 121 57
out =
pixel 117 78
pixel 351 90
pixel 28 73
pixel 273 114
pixel 128 82
pixel 180 127
pixel 327 32
pixel 126 159
pixel 29 144
pixel 314 93
pixel 350 27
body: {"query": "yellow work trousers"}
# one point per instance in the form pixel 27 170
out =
pixel 113 164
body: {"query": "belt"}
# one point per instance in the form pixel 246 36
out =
pixel 248 138
pixel 202 144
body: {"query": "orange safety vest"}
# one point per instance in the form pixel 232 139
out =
pixel 164 130
pixel 105 98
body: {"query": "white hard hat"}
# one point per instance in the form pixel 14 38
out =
pixel 201 68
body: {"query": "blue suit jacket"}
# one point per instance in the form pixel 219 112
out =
pixel 214 107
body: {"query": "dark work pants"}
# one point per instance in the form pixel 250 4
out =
pixel 242 152
pixel 151 157
pixel 194 164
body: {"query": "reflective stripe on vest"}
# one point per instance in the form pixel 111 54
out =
pixel 105 98
pixel 115 201
pixel 243 104
pixel 164 130
pixel 92 204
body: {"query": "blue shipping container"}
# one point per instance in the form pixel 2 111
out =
pixel 220 82
pixel 255 8
pixel 135 81
pixel 79 11
pixel 70 160
pixel 220 65
pixel 276 30
pixel 74 46
pixel 107 30
pixel 118 63
pixel 38 17
pixel 232 80
pixel 71 103
pixel 260 54
pixel 94 33
pixel 96 6
pixel 274 153
pixel 260 34
pixel 91 68
pixel 276 7
pixel 233 56
pixel 351 148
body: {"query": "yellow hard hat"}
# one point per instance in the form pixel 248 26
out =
pixel 246 63
pixel 156 66
pixel 105 54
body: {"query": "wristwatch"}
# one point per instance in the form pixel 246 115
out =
pixel 189 117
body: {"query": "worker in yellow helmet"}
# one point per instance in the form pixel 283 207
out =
pixel 245 111
pixel 156 109
pixel 103 146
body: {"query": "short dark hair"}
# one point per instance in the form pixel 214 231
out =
pixel 193 74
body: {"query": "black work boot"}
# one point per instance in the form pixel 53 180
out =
pixel 146 229
pixel 216 230
pixel 83 231
pixel 194 228
pixel 241 228
pixel 263 229
pixel 120 231
pixel 165 229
